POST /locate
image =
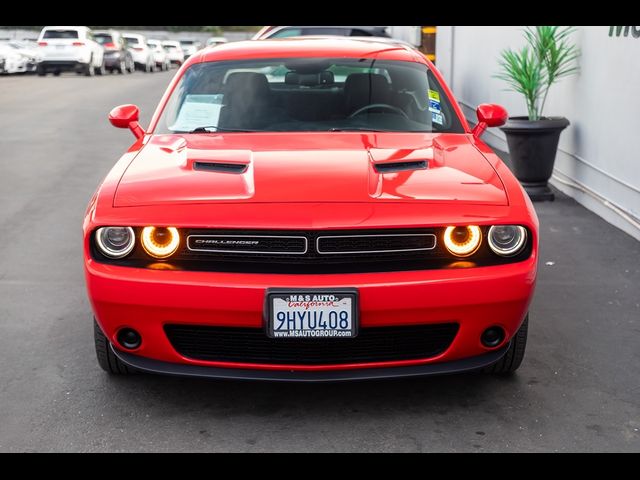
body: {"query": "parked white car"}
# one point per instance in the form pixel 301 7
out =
pixel 142 54
pixel 174 52
pixel 17 57
pixel 190 47
pixel 159 55
pixel 69 48
pixel 213 41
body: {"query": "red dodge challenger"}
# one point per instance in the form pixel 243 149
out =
pixel 309 210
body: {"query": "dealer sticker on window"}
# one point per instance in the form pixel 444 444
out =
pixel 435 96
pixel 312 314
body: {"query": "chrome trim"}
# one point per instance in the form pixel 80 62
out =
pixel 306 244
pixel 435 242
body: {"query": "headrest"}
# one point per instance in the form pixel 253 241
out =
pixel 366 82
pixel 247 83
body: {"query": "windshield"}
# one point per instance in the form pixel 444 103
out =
pixel 132 40
pixel 314 94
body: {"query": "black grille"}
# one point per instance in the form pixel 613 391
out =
pixel 265 244
pixel 347 244
pixel 351 252
pixel 247 345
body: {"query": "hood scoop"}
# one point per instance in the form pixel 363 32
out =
pixel 221 161
pixel 221 167
pixel 393 167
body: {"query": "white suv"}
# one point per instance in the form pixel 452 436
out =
pixel 69 48
pixel 140 51
pixel 174 52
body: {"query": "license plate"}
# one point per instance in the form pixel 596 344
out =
pixel 313 314
pixel 60 47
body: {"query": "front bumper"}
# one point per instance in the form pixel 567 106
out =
pixel 146 300
pixel 181 370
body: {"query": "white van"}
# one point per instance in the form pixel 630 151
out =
pixel 69 48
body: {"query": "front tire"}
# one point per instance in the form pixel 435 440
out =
pixel 106 358
pixel 101 69
pixel 514 356
pixel 41 71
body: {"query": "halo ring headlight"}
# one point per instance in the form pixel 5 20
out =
pixel 463 241
pixel 507 240
pixel 115 242
pixel 160 242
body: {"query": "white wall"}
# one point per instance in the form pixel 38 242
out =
pixel 600 152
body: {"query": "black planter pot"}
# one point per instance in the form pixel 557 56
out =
pixel 532 147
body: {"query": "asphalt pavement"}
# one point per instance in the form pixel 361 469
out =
pixel 577 390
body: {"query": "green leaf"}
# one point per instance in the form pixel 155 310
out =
pixel 549 57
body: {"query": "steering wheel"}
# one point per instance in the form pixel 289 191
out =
pixel 397 110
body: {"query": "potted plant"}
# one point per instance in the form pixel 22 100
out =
pixel 533 140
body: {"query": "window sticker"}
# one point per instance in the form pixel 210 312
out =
pixel 434 106
pixel 435 96
pixel 198 111
pixel 437 118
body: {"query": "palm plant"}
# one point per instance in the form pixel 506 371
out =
pixel 548 56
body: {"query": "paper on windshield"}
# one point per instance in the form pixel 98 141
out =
pixel 198 111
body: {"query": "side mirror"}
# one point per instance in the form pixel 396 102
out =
pixel 126 116
pixel 489 115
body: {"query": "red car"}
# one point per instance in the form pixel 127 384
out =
pixel 309 210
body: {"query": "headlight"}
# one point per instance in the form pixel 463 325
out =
pixel 507 240
pixel 160 242
pixel 115 242
pixel 463 241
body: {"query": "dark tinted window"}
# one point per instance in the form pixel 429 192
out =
pixel 326 31
pixel 132 40
pixel 60 34
pixel 103 38
pixel 287 32
pixel 360 33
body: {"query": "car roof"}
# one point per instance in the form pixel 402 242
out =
pixel 312 46
pixel 376 29
pixel 66 28
pixel 113 33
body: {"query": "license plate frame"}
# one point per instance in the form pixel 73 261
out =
pixel 272 293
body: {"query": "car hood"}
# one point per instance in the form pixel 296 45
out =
pixel 311 167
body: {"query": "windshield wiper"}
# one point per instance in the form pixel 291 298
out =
pixel 357 129
pixel 215 129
